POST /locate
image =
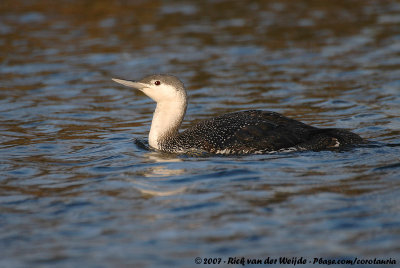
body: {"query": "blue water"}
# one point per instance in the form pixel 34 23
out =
pixel 76 190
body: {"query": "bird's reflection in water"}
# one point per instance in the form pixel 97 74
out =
pixel 158 187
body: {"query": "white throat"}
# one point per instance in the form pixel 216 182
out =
pixel 167 119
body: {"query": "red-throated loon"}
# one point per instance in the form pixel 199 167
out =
pixel 244 132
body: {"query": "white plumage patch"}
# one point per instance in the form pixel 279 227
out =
pixel 337 143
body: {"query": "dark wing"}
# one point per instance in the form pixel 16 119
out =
pixel 262 131
pixel 247 131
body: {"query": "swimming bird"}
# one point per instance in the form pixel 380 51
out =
pixel 243 132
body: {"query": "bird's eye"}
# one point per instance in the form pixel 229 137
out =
pixel 157 83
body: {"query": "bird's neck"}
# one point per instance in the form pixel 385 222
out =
pixel 167 119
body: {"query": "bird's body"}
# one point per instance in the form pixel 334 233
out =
pixel 256 131
pixel 244 132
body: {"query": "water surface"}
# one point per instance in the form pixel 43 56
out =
pixel 75 190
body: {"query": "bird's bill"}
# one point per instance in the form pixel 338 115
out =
pixel 128 83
